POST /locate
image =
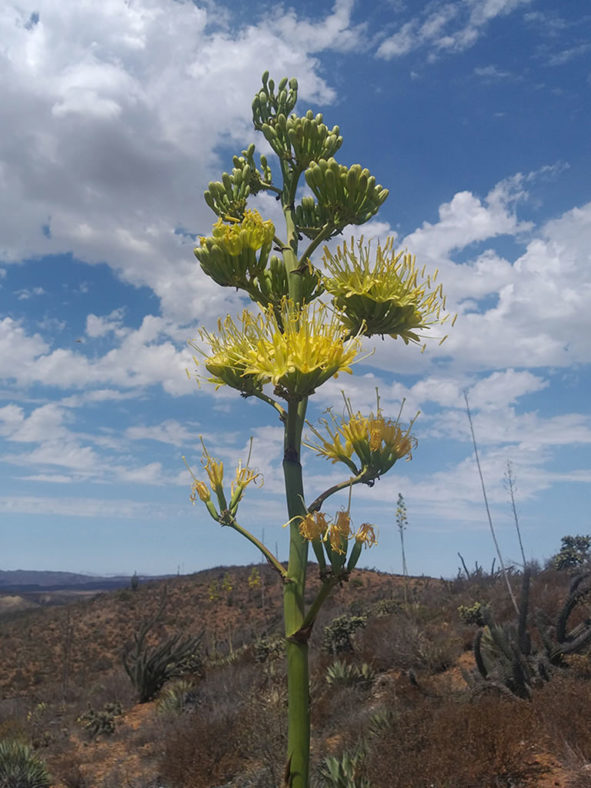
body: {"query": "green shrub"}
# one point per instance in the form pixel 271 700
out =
pixel 266 648
pixel 101 722
pixel 475 614
pixel 337 635
pixel 20 767
pixel 575 551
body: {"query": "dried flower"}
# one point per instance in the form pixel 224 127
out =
pixel 366 535
pixel 313 526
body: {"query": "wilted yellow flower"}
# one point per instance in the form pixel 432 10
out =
pixel 215 471
pixel 244 476
pixel 366 444
pixel 339 532
pixel 313 526
pixel 200 489
pixel 386 295
pixel 366 535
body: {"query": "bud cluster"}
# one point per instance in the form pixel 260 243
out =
pixel 266 106
pixel 230 257
pixel 227 198
pixel 348 195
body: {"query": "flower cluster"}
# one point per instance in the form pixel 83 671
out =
pixel 215 473
pixel 368 445
pixel 296 350
pixel 229 255
pixel 385 296
pixel 336 533
pixel 251 233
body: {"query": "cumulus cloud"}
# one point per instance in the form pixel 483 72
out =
pixel 117 117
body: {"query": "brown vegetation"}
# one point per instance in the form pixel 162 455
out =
pixel 397 705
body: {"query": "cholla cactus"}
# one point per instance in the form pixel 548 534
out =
pixel 292 342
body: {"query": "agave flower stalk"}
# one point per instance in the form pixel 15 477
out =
pixel 290 343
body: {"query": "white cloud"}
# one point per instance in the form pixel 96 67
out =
pixel 83 507
pixel 169 431
pixel 143 357
pixel 97 326
pixel 452 27
pixel 467 219
pixel 117 115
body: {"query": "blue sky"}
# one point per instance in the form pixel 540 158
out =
pixel 474 113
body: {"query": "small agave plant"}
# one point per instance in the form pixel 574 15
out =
pixel 306 325
pixel 20 767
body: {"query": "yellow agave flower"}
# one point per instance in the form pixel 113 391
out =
pixel 376 442
pixel 313 526
pixel 339 532
pixel 251 233
pixel 336 533
pixel 229 255
pixel 296 350
pixel 385 296
pixel 201 490
pixel 229 350
pixel 244 476
pixel 300 349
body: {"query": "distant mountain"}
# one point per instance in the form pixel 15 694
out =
pixel 30 580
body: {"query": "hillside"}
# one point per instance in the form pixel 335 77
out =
pixel 393 694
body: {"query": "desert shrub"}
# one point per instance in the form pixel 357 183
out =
pixel 101 722
pixel 402 643
pixel 449 744
pixel 385 607
pixel 203 749
pixel 266 648
pixel 472 614
pixel 562 707
pixel 20 767
pixel 574 552
pixel 150 667
pixel 337 635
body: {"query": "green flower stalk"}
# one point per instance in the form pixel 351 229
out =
pixel 291 343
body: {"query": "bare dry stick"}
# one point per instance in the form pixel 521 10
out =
pixel 510 485
pixel 490 522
